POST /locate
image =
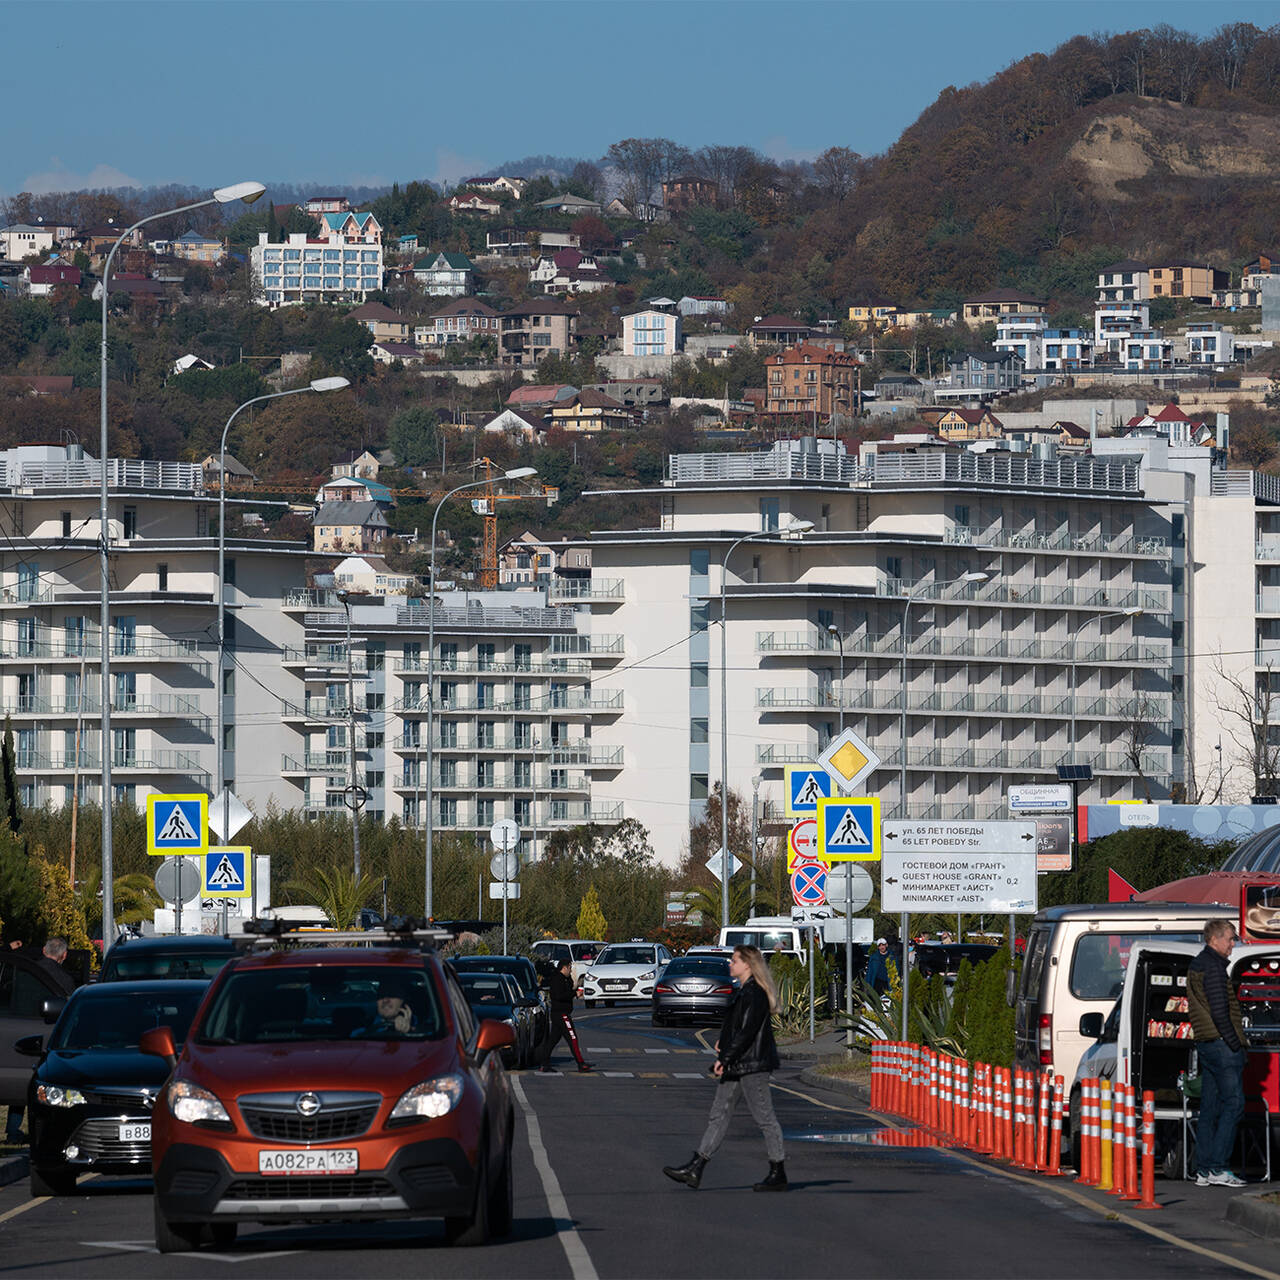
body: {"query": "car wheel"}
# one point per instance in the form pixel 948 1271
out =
pixel 175 1237
pixel 474 1230
pixel 502 1199
pixel 222 1235
pixel 51 1182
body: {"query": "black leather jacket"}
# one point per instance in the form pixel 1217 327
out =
pixel 562 990
pixel 746 1039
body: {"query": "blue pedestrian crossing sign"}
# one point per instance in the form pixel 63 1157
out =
pixel 228 872
pixel 806 785
pixel 849 829
pixel 177 824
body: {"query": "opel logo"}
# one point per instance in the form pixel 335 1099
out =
pixel 307 1104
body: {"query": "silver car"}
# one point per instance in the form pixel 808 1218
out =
pixel 696 988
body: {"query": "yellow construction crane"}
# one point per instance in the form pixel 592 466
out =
pixel 487 506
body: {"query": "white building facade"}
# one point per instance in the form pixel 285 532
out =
pixel 334 269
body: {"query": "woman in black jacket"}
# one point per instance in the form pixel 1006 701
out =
pixel 745 1055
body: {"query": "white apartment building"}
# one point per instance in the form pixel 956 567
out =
pixel 651 333
pixel 514 717
pixel 334 268
pixel 162 632
pixel 1115 322
pixel 21 240
pixel 1209 343
pixel 1125 281
pixel 1005 678
pixel 1022 333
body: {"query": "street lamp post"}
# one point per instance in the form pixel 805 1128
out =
pixel 1135 612
pixel 756 780
pixel 834 632
pixel 248 192
pixel 797 528
pixel 354 801
pixel 518 473
pixel 220 764
pixel 903 925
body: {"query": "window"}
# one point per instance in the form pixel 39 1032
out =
pixel 523 813
pixel 698 673
pixel 769 513
pixel 893 566
pixel 698 786
pixel 522 737
pixel 229 682
pixel 699 730
pixel 486 735
pixel 448 813
pixel 375 656
pixel 485 813
pixel 66 524
pixel 524 657
pixel 485 772
pixel 485 696
pixel 375 701
pixel 485 654
pixel 522 774
pixel 448 773
pixel 73 636
pixel 449 734
pixel 162 577
pixel 523 700
pixel 699 562
pixel 448 657
pixel 130 522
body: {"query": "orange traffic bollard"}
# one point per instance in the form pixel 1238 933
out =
pixel 1148 1200
pixel 875 1075
pixel 1054 1167
pixel 1131 1140
pixel 1042 1121
pixel 965 1130
pixel 1104 1135
pixel 1006 1139
pixel 1019 1119
pixel 1088 1171
pixel 1119 1164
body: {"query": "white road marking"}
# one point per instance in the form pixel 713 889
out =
pixel 657 1051
pixel 148 1246
pixel 689 1075
pixel 618 1075
pixel 575 1251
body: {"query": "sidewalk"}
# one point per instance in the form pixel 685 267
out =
pixel 1235 1226
pixel 13 1168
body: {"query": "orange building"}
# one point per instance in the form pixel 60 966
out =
pixel 808 378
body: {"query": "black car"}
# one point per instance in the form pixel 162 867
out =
pixel 496 995
pixel 946 957
pixel 695 987
pixel 89 1100
pixel 522 970
pixel 195 956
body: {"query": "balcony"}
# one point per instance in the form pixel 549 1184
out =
pixel 595 645
pixel 1153 707
pixel 323 709
pixel 335 762
pixel 570 702
pixel 175 763
pixel 895 471
pixel 601 589
pixel 122 473
pixel 1003 591
pixel 1246 484
pixel 465 780
pixel 322 659
pixel 980 759
pixel 976 648
pixel 159 705
pixel 474 666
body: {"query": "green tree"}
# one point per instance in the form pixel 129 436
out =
pixel 63 913
pixel 591 922
pixel 10 810
pixel 413 437
pixel 20 898
pixel 338 892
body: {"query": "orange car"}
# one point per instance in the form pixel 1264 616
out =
pixel 334 1083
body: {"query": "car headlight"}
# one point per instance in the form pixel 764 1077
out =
pixel 430 1099
pixel 644 977
pixel 193 1105
pixel 588 977
pixel 53 1095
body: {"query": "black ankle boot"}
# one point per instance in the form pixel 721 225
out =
pixel 776 1179
pixel 690 1174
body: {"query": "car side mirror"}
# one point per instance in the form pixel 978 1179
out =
pixel 493 1035
pixel 29 1046
pixel 1091 1026
pixel 52 1009
pixel 530 1002
pixel 159 1042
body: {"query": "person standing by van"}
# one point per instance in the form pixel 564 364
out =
pixel 1219 1034
pixel 745 1056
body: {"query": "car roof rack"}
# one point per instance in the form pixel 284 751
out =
pixel 264 934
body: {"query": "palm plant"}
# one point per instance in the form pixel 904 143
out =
pixel 135 895
pixel 706 899
pixel 338 893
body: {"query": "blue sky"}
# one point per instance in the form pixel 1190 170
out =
pixel 112 93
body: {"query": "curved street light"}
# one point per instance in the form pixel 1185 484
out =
pixel 1135 611
pixel 248 192
pixel 320 384
pixel 796 529
pixel 517 473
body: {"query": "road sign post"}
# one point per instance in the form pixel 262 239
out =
pixel 505 835
pixel 177 824
pixel 959 867
pixel 849 829
pixel 849 760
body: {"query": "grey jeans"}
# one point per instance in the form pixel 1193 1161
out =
pixel 755 1088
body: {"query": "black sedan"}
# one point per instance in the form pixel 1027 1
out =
pixel 91 1095
pixel 193 956
pixel 526 976
pixel 495 995
pixel 698 988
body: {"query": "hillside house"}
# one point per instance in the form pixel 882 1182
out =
pixel 590 411
pixel 963 426
pixel 809 379
pixel 384 325
pixel 445 275
pixel 1181 278
pixel 459 321
pixel 998 302
pixel 1125 281
pixel 474 203
pixel 349 526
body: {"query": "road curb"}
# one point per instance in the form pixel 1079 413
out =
pixel 816 1079
pixel 14 1169
pixel 1252 1213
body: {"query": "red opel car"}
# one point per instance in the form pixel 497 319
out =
pixel 334 1083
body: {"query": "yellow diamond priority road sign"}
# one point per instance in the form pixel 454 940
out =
pixel 849 760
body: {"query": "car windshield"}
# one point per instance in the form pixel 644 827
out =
pixel 707 966
pixel 626 955
pixel 141 965
pixel 485 988
pixel 116 1022
pixel 1100 959
pixel 295 1003
pixel 584 950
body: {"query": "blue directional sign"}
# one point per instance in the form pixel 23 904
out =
pixel 849 829
pixel 806 785
pixel 177 824
pixel 809 885
pixel 227 872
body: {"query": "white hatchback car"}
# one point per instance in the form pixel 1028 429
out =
pixel 624 971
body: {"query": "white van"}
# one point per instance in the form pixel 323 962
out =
pixel 770 934
pixel 1075 964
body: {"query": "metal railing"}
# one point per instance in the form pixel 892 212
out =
pixel 468 780
pixel 1245 484
pixel 1054 540
pixel 988 470
pixel 1003 591
pixel 586 589
pixel 475 666
pixel 934 644
pixel 1146 707
pixel 1002 759
pixel 122 473
pixel 568 700
pixel 316 762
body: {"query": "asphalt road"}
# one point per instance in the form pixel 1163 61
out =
pixel 591 1200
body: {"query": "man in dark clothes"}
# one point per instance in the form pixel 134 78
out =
pixel 49 960
pixel 560 985
pixel 1219 1032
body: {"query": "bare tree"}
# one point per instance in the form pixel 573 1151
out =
pixel 1252 704
pixel 1141 731
pixel 838 170
pixel 638 162
pixel 725 166
pixel 1230 48
pixel 1175 57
